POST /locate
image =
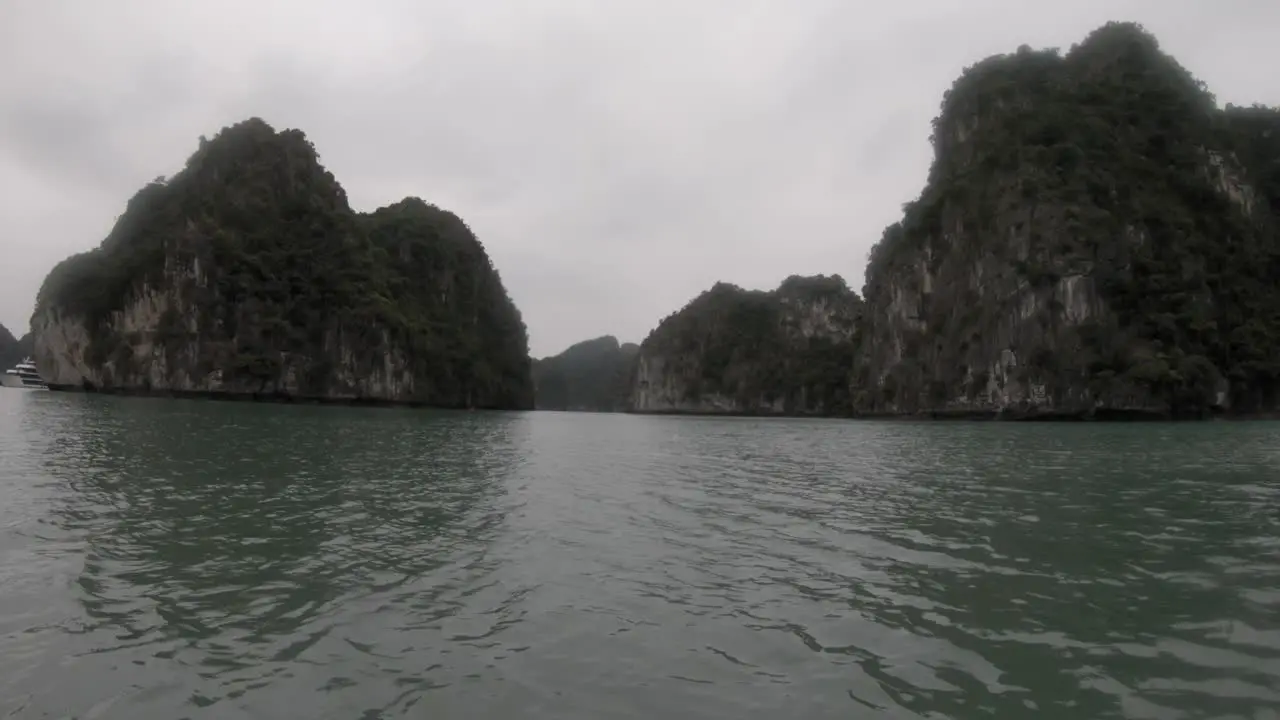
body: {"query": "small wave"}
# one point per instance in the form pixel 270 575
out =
pixel 172 559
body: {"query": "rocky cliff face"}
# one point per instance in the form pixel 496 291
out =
pixel 1096 236
pixel 592 375
pixel 248 274
pixel 734 351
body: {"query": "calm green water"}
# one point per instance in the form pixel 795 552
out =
pixel 169 559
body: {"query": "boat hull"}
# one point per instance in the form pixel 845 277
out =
pixel 13 381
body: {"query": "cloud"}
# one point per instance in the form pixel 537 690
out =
pixel 615 158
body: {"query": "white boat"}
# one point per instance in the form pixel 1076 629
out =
pixel 23 376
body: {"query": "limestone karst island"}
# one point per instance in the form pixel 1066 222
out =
pixel 247 274
pixel 1096 238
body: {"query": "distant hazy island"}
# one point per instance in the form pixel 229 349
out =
pixel 1096 238
pixel 593 375
pixel 14 349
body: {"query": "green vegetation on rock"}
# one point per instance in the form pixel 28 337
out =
pixel 732 350
pixel 247 272
pixel 591 375
pixel 1095 235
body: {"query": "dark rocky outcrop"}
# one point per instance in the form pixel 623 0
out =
pixel 735 351
pixel 247 274
pixel 592 375
pixel 1096 236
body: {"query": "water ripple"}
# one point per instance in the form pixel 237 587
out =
pixel 181 559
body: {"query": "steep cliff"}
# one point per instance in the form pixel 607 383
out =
pixel 591 375
pixel 247 273
pixel 1096 236
pixel 735 351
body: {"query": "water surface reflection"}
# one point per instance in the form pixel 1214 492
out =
pixel 163 559
pixel 237 543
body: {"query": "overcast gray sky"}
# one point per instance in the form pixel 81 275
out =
pixel 616 157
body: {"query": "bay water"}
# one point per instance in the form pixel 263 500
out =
pixel 187 559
